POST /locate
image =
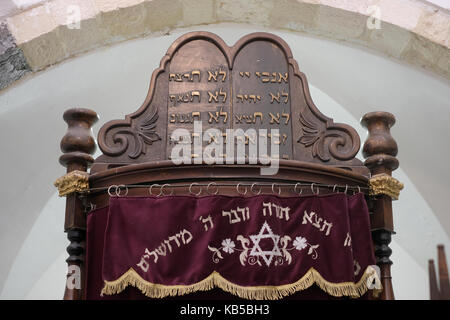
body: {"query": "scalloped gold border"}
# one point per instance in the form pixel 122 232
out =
pixel 385 184
pixel 74 181
pixel 154 290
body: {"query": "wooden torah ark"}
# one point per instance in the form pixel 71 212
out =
pixel 255 84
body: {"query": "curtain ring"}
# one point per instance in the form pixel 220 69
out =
pixel 295 188
pixel 212 184
pixel 162 190
pixel 253 191
pixel 312 189
pixel 190 189
pixel 237 189
pixel 273 190
pixel 150 190
pixel 109 190
pixel 119 188
pixel 334 189
pixel 346 188
pixel 359 189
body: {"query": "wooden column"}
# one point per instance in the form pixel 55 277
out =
pixel 77 145
pixel 444 284
pixel 434 289
pixel 380 150
pixel 441 291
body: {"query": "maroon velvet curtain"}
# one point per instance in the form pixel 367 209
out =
pixel 260 247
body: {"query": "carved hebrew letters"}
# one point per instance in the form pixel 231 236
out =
pixel 255 84
pixel 213 107
pixel 261 92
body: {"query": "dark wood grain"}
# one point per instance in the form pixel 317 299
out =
pixel 77 145
pixel 434 288
pixel 444 285
pixel 439 290
pixel 380 150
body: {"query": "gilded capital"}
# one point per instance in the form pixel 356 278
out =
pixel 385 184
pixel 74 181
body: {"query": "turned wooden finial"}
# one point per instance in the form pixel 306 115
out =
pixel 78 144
pixel 380 148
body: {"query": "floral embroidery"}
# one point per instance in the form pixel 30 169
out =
pixel 300 243
pixel 228 246
pixel 254 254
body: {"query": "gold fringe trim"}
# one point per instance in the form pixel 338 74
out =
pixel 153 290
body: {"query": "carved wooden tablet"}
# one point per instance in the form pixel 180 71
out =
pixel 254 84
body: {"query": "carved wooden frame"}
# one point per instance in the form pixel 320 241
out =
pixel 326 140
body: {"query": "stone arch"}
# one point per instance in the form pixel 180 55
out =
pixel 412 31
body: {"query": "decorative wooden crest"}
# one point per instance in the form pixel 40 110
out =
pixel 254 84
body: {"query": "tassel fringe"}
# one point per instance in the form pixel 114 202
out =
pixel 153 290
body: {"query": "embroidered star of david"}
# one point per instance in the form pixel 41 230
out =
pixel 265 233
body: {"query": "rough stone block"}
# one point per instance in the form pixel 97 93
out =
pixel 31 24
pixel 435 25
pixel 339 24
pixel 163 15
pixel 423 53
pixel 13 64
pixel 198 12
pixel 250 11
pixel 91 34
pixel 44 51
pixel 293 15
pixel 125 23
pixel 404 14
pixel 389 39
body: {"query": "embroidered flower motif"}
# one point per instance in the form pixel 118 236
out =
pixel 299 243
pixel 228 246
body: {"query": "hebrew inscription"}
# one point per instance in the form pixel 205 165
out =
pixel 252 95
pixel 254 87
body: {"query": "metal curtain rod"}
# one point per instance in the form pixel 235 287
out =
pixel 212 188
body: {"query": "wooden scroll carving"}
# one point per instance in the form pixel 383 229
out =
pixel 254 84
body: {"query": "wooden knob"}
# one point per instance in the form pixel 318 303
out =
pixel 78 144
pixel 380 147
